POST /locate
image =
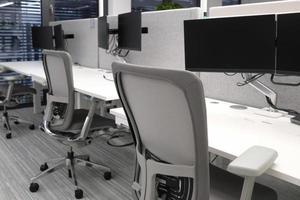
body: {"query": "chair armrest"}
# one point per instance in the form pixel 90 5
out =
pixel 253 162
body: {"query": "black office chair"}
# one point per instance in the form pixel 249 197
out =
pixel 167 114
pixel 10 93
pixel 72 127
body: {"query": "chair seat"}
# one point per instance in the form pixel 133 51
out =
pixel 18 90
pixel 79 117
pixel 227 186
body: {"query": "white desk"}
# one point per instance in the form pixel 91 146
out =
pixel 88 81
pixel 231 132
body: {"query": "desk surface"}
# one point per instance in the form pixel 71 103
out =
pixel 231 132
pixel 89 81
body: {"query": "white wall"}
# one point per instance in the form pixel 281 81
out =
pixel 116 7
pixel 100 7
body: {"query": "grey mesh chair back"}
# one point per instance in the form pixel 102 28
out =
pixel 59 74
pixel 167 114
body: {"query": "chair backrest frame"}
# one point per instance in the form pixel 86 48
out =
pixel 61 65
pixel 192 89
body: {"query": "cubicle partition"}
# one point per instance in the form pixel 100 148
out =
pixel 223 87
pixel 84 46
pixel 163 45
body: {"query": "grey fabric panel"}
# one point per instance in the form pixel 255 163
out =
pixel 227 186
pixel 222 87
pixel 189 85
pixel 164 44
pixel 59 74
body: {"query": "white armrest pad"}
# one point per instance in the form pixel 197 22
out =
pixel 253 162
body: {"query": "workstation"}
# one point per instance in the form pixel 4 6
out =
pixel 151 100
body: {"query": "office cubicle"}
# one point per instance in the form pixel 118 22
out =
pixel 164 43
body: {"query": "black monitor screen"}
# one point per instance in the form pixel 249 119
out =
pixel 59 37
pixel 234 44
pixel 288 44
pixel 103 33
pixel 130 31
pixel 42 37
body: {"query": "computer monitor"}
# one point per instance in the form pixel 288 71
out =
pixel 42 37
pixel 288 44
pixel 232 44
pixel 103 33
pixel 130 31
pixel 59 37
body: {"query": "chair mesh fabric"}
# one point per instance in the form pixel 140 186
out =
pixel 166 110
pixel 59 74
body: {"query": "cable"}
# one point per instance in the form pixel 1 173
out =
pixel 108 51
pixel 125 55
pixel 114 50
pixel 213 160
pixel 114 136
pixel 246 82
pixel 289 111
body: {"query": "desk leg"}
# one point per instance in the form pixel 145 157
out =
pixel 37 108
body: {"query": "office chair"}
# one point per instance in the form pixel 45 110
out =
pixel 10 92
pixel 167 115
pixel 72 127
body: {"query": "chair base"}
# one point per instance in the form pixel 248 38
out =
pixel 6 119
pixel 69 163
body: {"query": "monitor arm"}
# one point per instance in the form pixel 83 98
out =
pixel 144 30
pixel 259 86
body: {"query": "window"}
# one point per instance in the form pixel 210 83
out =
pixel 150 5
pixel 17 18
pixel 75 9
pixel 16 21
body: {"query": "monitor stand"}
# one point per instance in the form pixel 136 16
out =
pixel 268 92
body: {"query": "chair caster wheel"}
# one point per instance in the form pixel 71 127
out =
pixel 31 127
pixel 78 194
pixel 107 175
pixel 44 167
pixel 8 136
pixel 34 187
pixel 16 122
